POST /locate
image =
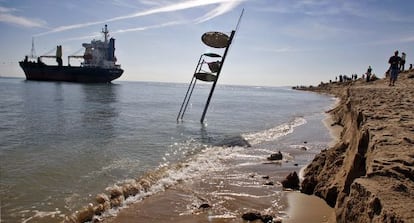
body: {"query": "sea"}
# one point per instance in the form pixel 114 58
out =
pixel 61 144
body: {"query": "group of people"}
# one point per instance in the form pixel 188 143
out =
pixel 397 64
pixel 345 78
pixel 368 76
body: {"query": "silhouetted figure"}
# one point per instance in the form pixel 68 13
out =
pixel 402 62
pixel 394 62
pixel 369 73
pixel 411 66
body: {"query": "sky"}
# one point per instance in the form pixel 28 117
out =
pixel 278 42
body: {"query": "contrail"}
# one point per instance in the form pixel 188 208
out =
pixel 148 27
pixel 225 5
pixel 173 23
pixel 221 9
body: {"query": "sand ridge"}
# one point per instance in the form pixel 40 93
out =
pixel 368 176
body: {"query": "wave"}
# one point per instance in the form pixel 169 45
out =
pixel 133 190
pixel 274 133
pixel 200 160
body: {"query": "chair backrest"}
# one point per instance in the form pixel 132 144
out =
pixel 214 66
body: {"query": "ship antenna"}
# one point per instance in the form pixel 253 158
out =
pixel 33 51
pixel 105 32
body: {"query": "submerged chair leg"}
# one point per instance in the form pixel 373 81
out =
pixel 189 91
pixel 186 99
pixel 186 104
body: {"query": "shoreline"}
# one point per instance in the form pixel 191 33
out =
pixel 292 206
pixel 252 185
pixel 367 176
pixel 311 208
pixel 228 198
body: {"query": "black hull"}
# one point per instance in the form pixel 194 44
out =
pixel 43 72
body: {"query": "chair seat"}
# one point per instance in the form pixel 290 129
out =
pixel 203 76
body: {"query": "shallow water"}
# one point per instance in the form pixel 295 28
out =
pixel 63 143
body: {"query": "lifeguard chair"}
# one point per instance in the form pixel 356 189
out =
pixel 214 64
pixel 208 68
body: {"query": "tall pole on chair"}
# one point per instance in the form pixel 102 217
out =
pixel 221 66
pixel 217 76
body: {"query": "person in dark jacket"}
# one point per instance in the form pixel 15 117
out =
pixel 394 62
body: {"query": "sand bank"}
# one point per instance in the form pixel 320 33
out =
pixel 368 176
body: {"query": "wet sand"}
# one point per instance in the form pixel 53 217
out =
pixel 229 194
pixel 308 208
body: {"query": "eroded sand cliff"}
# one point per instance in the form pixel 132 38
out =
pixel 368 176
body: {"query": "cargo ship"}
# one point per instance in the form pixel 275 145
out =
pixel 98 66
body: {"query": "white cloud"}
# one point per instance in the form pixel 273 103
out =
pixel 224 6
pixel 6 16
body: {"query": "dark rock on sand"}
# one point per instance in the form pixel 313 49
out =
pixel 204 206
pixel 275 156
pixel 269 183
pixel 267 219
pixel 303 148
pixel 291 181
pixel 233 141
pixel 251 216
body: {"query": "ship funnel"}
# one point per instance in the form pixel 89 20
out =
pixel 111 50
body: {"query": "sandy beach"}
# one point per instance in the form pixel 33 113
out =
pixel 368 175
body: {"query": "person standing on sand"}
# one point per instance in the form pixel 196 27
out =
pixel 369 73
pixel 402 62
pixel 394 61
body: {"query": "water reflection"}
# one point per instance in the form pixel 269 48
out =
pixel 99 110
pixel 54 132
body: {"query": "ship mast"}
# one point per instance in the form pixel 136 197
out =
pixel 33 51
pixel 105 32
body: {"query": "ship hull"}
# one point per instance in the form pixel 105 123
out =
pixel 43 72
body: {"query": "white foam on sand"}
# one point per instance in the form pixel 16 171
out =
pixel 274 133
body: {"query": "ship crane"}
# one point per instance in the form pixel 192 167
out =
pixel 58 55
pixel 76 56
pixel 48 56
